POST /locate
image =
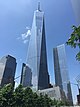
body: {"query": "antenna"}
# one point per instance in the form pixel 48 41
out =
pixel 39 6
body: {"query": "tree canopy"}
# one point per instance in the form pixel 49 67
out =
pixel 25 97
pixel 74 40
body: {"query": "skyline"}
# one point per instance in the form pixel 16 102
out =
pixel 16 16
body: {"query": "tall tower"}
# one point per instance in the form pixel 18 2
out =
pixel 37 56
pixel 61 71
pixel 7 70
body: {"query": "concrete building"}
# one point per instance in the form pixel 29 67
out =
pixel 26 75
pixel 7 70
pixel 54 93
pixel 37 56
pixel 61 71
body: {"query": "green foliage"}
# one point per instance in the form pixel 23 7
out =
pixel 6 96
pixel 25 97
pixel 78 56
pixel 19 96
pixel 74 40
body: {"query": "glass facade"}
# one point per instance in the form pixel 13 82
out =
pixel 61 71
pixel 36 57
pixel 7 70
pixel 26 76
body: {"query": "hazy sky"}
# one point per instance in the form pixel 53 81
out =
pixel 16 18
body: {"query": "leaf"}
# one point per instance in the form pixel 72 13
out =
pixel 78 56
pixel 74 40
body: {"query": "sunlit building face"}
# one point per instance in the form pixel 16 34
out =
pixel 61 71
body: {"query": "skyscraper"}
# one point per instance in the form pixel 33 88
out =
pixel 61 71
pixel 26 76
pixel 7 70
pixel 37 57
pixel 76 8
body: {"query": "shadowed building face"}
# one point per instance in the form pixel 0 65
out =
pixel 7 70
pixel 26 76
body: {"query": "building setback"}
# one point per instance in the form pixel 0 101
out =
pixel 37 56
pixel 61 71
pixel 7 70
pixel 26 76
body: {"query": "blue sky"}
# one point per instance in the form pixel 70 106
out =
pixel 16 19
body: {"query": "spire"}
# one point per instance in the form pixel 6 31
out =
pixel 39 6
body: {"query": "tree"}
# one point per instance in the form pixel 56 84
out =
pixel 74 40
pixel 6 96
pixel 25 97
pixel 48 101
pixel 18 98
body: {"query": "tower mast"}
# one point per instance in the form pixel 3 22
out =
pixel 39 6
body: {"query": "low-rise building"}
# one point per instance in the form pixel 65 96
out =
pixel 53 93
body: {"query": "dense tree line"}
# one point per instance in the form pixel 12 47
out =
pixel 25 97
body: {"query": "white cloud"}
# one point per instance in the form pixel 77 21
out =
pixel 25 36
pixel 27 28
pixel 25 41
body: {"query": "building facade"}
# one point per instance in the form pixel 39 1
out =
pixel 7 70
pixel 61 71
pixel 37 56
pixel 26 76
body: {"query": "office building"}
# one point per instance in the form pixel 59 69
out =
pixel 26 76
pixel 37 56
pixel 61 71
pixel 7 70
